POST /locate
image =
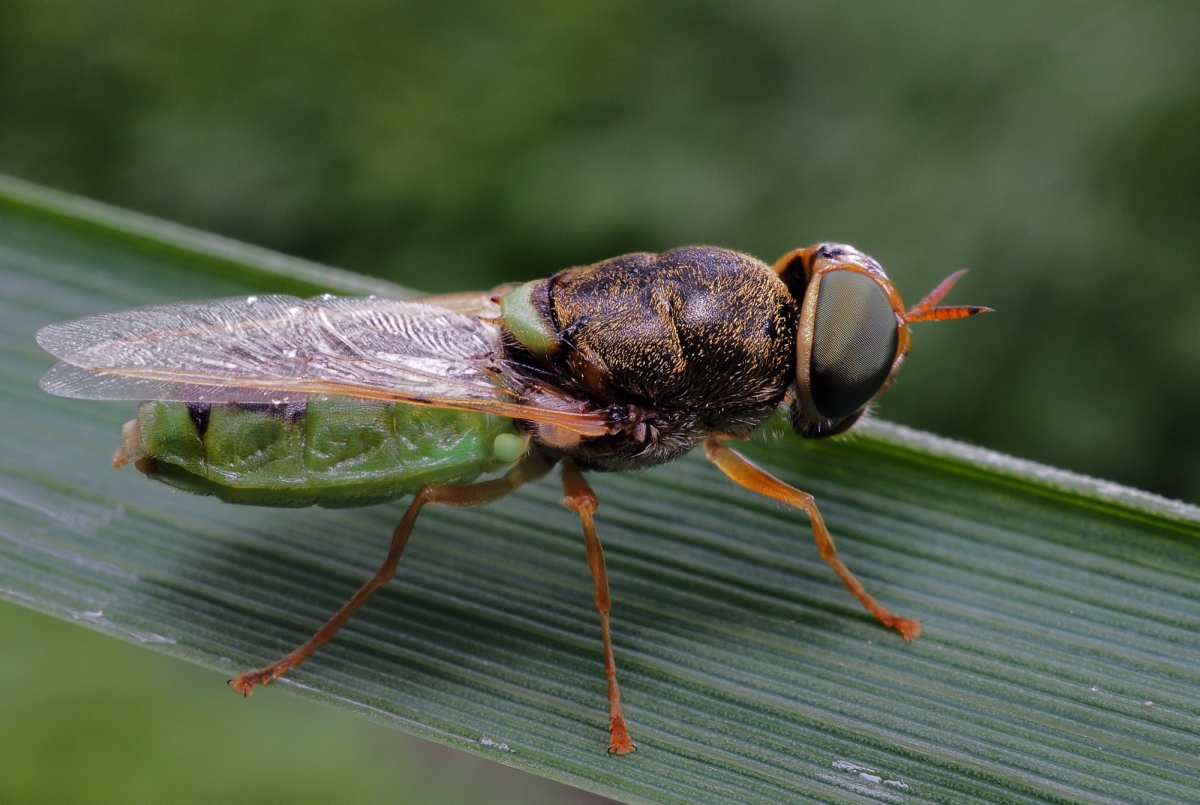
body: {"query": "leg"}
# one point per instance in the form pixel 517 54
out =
pixel 530 468
pixel 756 479
pixel 580 498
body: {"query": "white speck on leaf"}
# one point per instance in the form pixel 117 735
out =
pixel 151 637
pixel 866 781
pixel 486 741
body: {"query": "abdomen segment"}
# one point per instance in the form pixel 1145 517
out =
pixel 331 451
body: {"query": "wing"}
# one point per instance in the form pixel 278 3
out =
pixel 475 303
pixel 280 348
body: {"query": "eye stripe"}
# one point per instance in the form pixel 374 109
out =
pixel 854 343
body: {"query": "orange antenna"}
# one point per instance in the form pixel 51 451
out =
pixel 927 309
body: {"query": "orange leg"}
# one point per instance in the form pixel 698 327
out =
pixel 530 468
pixel 580 498
pixel 751 476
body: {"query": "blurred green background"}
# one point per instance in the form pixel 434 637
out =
pixel 1052 148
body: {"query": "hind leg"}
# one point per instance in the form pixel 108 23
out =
pixel 529 468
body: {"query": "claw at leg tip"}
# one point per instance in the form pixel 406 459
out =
pixel 620 743
pixel 908 628
pixel 240 685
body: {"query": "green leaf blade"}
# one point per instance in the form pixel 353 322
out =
pixel 1054 607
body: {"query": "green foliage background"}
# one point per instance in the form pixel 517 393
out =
pixel 1054 149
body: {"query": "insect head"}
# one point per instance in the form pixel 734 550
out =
pixel 852 333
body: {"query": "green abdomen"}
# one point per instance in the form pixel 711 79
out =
pixel 332 451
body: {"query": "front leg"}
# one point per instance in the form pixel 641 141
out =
pixel 748 474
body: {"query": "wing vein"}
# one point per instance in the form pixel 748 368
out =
pixel 249 348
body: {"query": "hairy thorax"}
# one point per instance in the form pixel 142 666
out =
pixel 676 345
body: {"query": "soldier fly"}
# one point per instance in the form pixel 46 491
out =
pixel 620 365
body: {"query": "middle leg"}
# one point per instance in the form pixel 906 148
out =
pixel 579 497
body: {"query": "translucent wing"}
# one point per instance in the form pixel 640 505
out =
pixel 475 303
pixel 280 348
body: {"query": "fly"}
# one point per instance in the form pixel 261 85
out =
pixel 620 365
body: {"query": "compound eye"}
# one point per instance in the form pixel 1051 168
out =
pixel 853 345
